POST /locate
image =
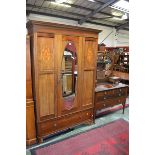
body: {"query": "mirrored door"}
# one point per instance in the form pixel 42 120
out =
pixel 69 75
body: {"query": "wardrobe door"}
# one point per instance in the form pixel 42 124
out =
pixel 69 75
pixel 45 76
pixel 89 73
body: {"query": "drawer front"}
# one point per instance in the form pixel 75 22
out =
pixel 69 121
pixel 122 91
pixel 74 119
pixel 119 101
pixel 48 127
pixel 104 104
pixel 109 103
pixel 65 122
pixel 110 94
pixel 100 96
pixel 87 115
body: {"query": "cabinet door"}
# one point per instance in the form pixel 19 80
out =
pixel 44 68
pixel 89 71
pixel 69 74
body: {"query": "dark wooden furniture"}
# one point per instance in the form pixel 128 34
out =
pixel 48 41
pixel 122 63
pixel 104 68
pixel 108 96
pixel 30 117
pixel 124 77
pixel 121 58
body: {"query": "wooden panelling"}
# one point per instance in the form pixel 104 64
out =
pixel 46 94
pixel 88 88
pixel 45 53
pixel 89 74
pixel 30 118
pixel 30 124
pixel 28 89
pixel 28 70
pixel 90 49
pixel 28 61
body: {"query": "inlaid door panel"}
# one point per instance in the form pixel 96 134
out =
pixel 89 73
pixel 46 94
pixel 45 76
pixel 88 88
pixel 45 53
pixel 89 54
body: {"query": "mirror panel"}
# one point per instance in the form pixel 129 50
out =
pixel 108 65
pixel 69 74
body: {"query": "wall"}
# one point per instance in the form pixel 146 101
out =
pixel 120 38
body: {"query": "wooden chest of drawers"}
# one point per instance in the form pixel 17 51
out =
pixel 109 97
pixel 54 125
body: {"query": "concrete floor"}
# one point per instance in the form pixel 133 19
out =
pixel 98 122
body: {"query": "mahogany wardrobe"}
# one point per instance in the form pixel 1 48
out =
pixel 63 65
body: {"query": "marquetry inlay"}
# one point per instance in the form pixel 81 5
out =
pixel 45 54
pixel 45 50
pixel 89 55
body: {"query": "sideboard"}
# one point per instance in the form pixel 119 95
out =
pixel 107 95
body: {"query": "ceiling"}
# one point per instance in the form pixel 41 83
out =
pixel 82 11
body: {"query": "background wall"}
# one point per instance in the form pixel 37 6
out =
pixel 109 35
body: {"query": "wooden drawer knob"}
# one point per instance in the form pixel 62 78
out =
pixel 104 104
pixel 87 114
pixel 105 92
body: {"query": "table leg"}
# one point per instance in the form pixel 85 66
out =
pixel 123 106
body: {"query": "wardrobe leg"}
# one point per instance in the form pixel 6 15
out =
pixel 123 107
pixel 40 140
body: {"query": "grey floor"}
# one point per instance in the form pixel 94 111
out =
pixel 98 122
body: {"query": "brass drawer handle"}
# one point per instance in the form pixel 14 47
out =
pixel 87 114
pixel 55 124
pixel 92 115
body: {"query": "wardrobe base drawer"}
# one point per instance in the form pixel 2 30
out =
pixel 65 122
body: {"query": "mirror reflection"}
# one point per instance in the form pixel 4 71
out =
pixel 107 62
pixel 107 65
pixel 69 75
